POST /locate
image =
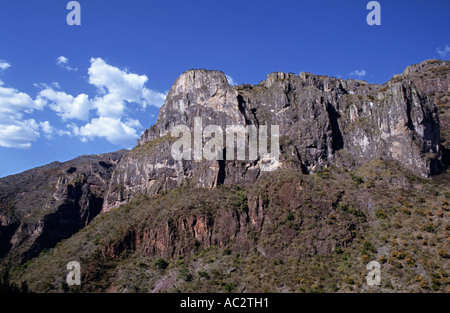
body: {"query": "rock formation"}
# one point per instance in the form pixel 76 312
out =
pixel 42 206
pixel 323 121
pixel 330 131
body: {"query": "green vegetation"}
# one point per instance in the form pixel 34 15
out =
pixel 380 213
pixel 288 232
pixel 161 264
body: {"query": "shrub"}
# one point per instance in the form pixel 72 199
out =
pixel 227 251
pixel 338 250
pixel 443 253
pixel 429 228
pixel 357 179
pixel 185 275
pixel 290 217
pixel 342 207
pixel 203 274
pixel 380 214
pixel 229 287
pixel 410 261
pixel 161 264
pixel 422 282
pixel 406 210
pixel 368 247
pixel 365 259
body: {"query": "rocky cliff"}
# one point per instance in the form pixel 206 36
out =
pixel 323 121
pixel 360 178
pixel 432 77
pixel 42 206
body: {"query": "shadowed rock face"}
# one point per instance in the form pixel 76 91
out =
pixel 42 206
pixel 322 121
pixel 433 78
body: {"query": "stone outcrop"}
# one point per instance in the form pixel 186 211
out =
pixel 433 78
pixel 197 93
pixel 323 121
pixel 42 206
pixel 241 226
pixel 376 138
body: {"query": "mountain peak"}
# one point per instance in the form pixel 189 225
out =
pixel 199 92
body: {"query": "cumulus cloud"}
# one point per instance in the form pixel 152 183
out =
pixel 63 62
pixel 114 130
pixel 47 128
pixel 358 73
pixel 13 104
pixel 106 115
pixel 120 85
pixel 4 65
pixel 49 131
pixel 444 52
pixel 154 98
pixel 19 135
pixel 65 105
pixel 117 91
pixel 56 85
pixel 231 80
pixel 16 131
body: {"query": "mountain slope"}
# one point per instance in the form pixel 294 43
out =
pixel 322 121
pixel 290 232
pixel 360 178
pixel 42 206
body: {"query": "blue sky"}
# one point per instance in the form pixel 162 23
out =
pixel 72 90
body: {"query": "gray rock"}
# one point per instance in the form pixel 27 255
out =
pixel 323 121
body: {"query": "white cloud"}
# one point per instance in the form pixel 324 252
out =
pixel 110 105
pixel 63 62
pixel 47 128
pixel 13 104
pixel 50 131
pixel 359 74
pixel 154 98
pixel 120 86
pixel 56 85
pixel 443 52
pixel 19 135
pixel 15 131
pixel 113 129
pixel 113 80
pixel 4 65
pixel 117 92
pixel 67 106
pixel 231 80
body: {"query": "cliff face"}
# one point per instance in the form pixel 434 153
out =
pixel 42 206
pixel 433 78
pixel 322 121
pixel 372 152
pixel 227 218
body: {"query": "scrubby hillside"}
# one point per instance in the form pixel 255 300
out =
pixel 291 232
pixel 361 177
